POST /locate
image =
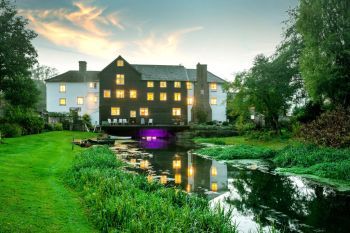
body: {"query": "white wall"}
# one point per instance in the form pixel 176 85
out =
pixel 73 90
pixel 218 110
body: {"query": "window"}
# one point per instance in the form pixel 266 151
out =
pixel 176 111
pixel 62 101
pixel 115 111
pixel 150 96
pixel 177 96
pixel 213 86
pixel 120 63
pixel 94 99
pixel 162 84
pixel 62 88
pixel 106 93
pixel 213 101
pixel 163 96
pixel 120 79
pixel 177 84
pixel 93 85
pixel 189 100
pixel 133 94
pixel 133 113
pixel 143 111
pixel 189 85
pixel 80 100
pixel 119 94
pixel 150 84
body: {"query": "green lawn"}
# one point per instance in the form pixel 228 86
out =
pixel 33 197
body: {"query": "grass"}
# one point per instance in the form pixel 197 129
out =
pixel 275 143
pixel 123 202
pixel 33 197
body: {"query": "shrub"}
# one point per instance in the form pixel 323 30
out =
pixel 331 128
pixel 10 130
pixel 48 127
pixel 86 119
pixel 57 127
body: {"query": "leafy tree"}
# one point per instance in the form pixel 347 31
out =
pixel 325 61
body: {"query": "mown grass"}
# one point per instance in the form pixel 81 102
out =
pixel 123 202
pixel 33 197
pixel 274 143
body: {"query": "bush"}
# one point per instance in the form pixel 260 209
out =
pixel 10 130
pixel 86 119
pixel 331 128
pixel 57 127
pixel 48 127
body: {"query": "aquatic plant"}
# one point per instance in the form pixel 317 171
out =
pixel 119 201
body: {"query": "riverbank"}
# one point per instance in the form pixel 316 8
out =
pixel 122 201
pixel 33 197
pixel 326 165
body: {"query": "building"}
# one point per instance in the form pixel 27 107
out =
pixel 137 93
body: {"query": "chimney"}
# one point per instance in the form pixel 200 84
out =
pixel 82 66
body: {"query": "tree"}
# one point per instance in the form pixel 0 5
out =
pixel 325 61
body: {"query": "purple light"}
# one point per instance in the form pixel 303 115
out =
pixel 153 133
pixel 154 144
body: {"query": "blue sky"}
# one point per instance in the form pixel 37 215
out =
pixel 225 34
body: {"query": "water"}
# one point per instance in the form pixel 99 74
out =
pixel 256 195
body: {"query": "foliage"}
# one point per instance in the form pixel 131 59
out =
pixel 10 130
pixel 123 202
pixel 308 112
pixel 33 197
pixel 86 120
pixel 325 61
pixel 331 128
pixel 57 127
pixel 42 72
pixel 243 126
pixel 320 161
pixel 237 152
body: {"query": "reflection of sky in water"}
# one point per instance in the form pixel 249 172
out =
pixel 288 203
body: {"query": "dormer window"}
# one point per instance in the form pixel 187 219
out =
pixel 62 88
pixel 120 63
pixel 177 84
pixel 120 79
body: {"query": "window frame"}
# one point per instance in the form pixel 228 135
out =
pixel 132 96
pixel 132 115
pixel 120 63
pixel 164 95
pixel 177 94
pixel 62 85
pixel 189 85
pixel 120 79
pixel 120 91
pixel 213 101
pixel 80 98
pixel 176 112
pixel 150 94
pixel 150 84
pixel 144 112
pixel 107 91
pixel 211 86
pixel 177 84
pixel 162 84
pixel 65 101
pixel 117 109
pixel 190 100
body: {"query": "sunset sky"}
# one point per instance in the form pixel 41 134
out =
pixel 225 34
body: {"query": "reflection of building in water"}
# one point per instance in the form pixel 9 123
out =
pixel 205 174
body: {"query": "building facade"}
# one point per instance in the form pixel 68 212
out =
pixel 139 94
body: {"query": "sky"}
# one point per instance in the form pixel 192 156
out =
pixel 224 34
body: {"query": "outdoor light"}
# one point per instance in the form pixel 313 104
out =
pixel 177 178
pixel 190 171
pixel 163 179
pixel 213 171
pixel 144 164
pixel 188 188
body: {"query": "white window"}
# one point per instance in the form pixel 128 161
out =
pixel 133 94
pixel 62 102
pixel 213 101
pixel 163 96
pixel 177 96
pixel 107 93
pixel 80 100
pixel 189 100
pixel 115 111
pixel 162 84
pixel 213 86
pixel 150 84
pixel 62 88
pixel 93 85
pixel 120 62
pixel 176 111
pixel 120 79
pixel 177 84
pixel 120 94
pixel 143 111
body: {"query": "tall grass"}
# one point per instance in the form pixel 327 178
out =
pixel 237 152
pixel 119 201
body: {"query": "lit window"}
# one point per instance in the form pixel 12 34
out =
pixel 213 101
pixel 177 96
pixel 214 171
pixel 80 100
pixel 133 114
pixel 133 94
pixel 190 100
pixel 119 94
pixel 214 186
pixel 162 84
pixel 143 111
pixel 150 96
pixel 106 93
pixel 176 111
pixel 95 99
pixel 189 86
pixel 213 86
pixel 150 84
pixel 120 63
pixel 177 84
pixel 115 111
pixel 62 88
pixel 62 101
pixel 93 85
pixel 163 96
pixel 120 79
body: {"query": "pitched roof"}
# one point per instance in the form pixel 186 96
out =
pixel 192 75
pixel 75 76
